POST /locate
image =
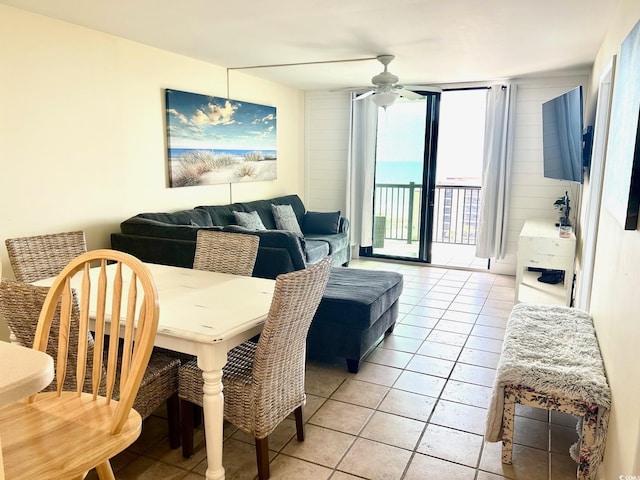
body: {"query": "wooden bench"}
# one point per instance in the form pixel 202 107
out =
pixel 551 359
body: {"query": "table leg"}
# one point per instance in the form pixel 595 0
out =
pixel 211 360
pixel 1 462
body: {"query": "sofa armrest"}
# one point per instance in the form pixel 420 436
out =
pixel 279 251
pixel 343 226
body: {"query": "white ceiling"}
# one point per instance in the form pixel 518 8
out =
pixel 434 41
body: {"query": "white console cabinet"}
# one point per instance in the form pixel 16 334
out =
pixel 541 246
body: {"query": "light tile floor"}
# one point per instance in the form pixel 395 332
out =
pixel 415 410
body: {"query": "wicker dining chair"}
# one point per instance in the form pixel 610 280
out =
pixel 66 433
pixel 43 256
pixel 226 252
pixel 223 252
pixel 264 382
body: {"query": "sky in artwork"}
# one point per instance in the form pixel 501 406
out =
pixel 201 121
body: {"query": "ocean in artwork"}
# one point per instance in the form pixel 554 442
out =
pixel 176 153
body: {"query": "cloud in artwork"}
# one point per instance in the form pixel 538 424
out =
pixel 212 114
pixel 266 119
pixel 182 118
pixel 199 121
pixel 263 133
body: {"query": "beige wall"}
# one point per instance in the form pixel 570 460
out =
pixel 83 137
pixel 614 304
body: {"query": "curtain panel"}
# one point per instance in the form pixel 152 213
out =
pixel 496 172
pixel 361 171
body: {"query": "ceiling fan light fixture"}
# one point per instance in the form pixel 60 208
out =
pixel 385 99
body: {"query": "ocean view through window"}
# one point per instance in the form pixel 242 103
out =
pixel 456 169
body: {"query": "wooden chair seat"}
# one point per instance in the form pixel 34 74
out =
pixel 31 451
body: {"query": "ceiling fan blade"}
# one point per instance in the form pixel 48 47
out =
pixel 408 94
pixel 351 89
pixel 364 95
pixel 424 88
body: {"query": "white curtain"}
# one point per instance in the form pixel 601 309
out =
pixel 496 172
pixel 361 170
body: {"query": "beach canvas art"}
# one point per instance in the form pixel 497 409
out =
pixel 214 140
pixel 622 175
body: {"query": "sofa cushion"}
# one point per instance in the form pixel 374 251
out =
pixel 183 217
pixel 358 298
pixel 249 220
pixel 276 240
pixel 321 222
pixel 286 219
pixel 221 215
pixel 263 210
pixel 316 250
pixel 146 227
pixel 263 207
pixel 337 242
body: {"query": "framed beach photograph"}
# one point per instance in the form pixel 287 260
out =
pixel 622 174
pixel 214 140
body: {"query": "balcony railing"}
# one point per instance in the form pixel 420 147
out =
pixel 455 213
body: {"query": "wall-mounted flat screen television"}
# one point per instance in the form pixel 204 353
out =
pixel 562 137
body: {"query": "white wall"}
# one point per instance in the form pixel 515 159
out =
pixel 83 134
pixel 614 299
pixel 532 195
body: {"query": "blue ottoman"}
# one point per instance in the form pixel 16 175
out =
pixel 357 309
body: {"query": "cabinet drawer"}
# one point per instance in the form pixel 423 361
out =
pixel 544 261
pixel 547 246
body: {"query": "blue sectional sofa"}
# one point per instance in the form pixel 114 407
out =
pixel 170 238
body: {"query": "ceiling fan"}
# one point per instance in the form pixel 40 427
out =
pixel 386 89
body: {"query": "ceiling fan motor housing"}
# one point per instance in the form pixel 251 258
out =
pixel 384 78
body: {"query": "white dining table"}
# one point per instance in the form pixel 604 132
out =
pixel 206 314
pixel 23 372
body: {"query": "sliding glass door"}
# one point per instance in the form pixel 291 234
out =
pixel 428 178
pixel 405 151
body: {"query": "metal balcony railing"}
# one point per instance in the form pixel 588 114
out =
pixel 455 212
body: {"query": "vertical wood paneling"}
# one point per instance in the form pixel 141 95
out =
pixel 327 119
pixel 532 195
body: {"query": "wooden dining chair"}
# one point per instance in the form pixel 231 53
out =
pixel 20 306
pixel 38 257
pixel 264 382
pixel 42 256
pixel 223 252
pixel 65 433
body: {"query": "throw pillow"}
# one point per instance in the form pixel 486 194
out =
pixel 249 220
pixel 324 223
pixel 286 219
